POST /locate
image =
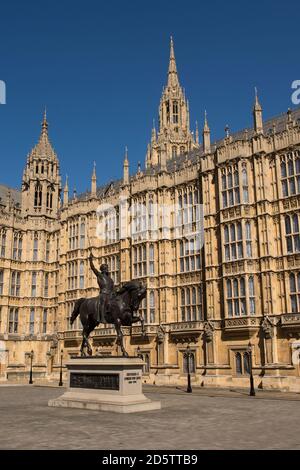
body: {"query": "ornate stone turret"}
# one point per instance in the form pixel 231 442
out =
pixel 206 135
pixel 94 182
pixel 257 115
pixel 126 168
pixel 66 192
pixel 174 135
pixel 41 184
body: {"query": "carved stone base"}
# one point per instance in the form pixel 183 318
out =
pixel 105 384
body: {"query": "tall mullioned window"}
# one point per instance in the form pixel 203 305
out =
pixel 292 234
pixel 15 283
pixel 111 226
pixel 290 173
pixel 139 261
pixel 2 243
pixel 152 306
pixel 31 321
pixel 35 248
pixel 189 254
pixel 72 275
pixel 33 283
pixel 295 292
pixel 175 112
pixel 45 320
pixel 230 186
pixel 189 208
pixel 49 199
pixel 233 241
pixel 151 259
pixel 236 297
pixel 73 235
pixel 13 320
pixel 82 234
pixel 47 253
pixel 17 246
pixel 1 281
pixel 81 275
pixel 38 196
pixel 143 310
pixel 46 285
pixel 113 263
pixel 191 303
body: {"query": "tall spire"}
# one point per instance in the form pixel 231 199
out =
pixel 126 167
pixel 45 123
pixel 66 192
pixel 94 181
pixel 172 72
pixel 257 115
pixel 206 135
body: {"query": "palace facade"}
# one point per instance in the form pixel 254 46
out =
pixel 212 230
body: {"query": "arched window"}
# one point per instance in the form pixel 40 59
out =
pixel 35 248
pixel 295 292
pixel 292 233
pixel 245 185
pixel 182 305
pixel 31 322
pixel 251 296
pixel 151 259
pixel 81 275
pixel 38 195
pixel 189 363
pixel 46 285
pixel 175 112
pixel 82 234
pixel 246 363
pixel 152 306
pixel 238 363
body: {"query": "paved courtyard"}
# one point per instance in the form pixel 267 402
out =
pixel 206 420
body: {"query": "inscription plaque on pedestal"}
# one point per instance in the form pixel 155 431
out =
pixel 94 381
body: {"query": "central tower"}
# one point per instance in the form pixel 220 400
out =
pixel 174 136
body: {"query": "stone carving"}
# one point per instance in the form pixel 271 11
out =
pixel 160 335
pixel 208 331
pixel 268 327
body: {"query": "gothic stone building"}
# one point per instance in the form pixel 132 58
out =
pixel 212 230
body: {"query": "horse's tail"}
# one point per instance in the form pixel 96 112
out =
pixel 76 310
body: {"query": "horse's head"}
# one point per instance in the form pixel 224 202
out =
pixel 136 292
pixel 137 296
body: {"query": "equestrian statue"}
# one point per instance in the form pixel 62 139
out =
pixel 112 305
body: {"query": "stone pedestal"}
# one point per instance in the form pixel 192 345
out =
pixel 105 383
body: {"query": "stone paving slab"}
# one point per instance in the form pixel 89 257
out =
pixel 186 421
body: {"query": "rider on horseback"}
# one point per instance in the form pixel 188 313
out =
pixel 106 285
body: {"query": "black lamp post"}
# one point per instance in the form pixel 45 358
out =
pixel 30 374
pixel 188 355
pixel 60 374
pixel 252 389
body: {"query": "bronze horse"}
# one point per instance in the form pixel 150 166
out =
pixel 123 305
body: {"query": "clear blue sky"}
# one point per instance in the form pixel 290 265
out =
pixel 99 67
